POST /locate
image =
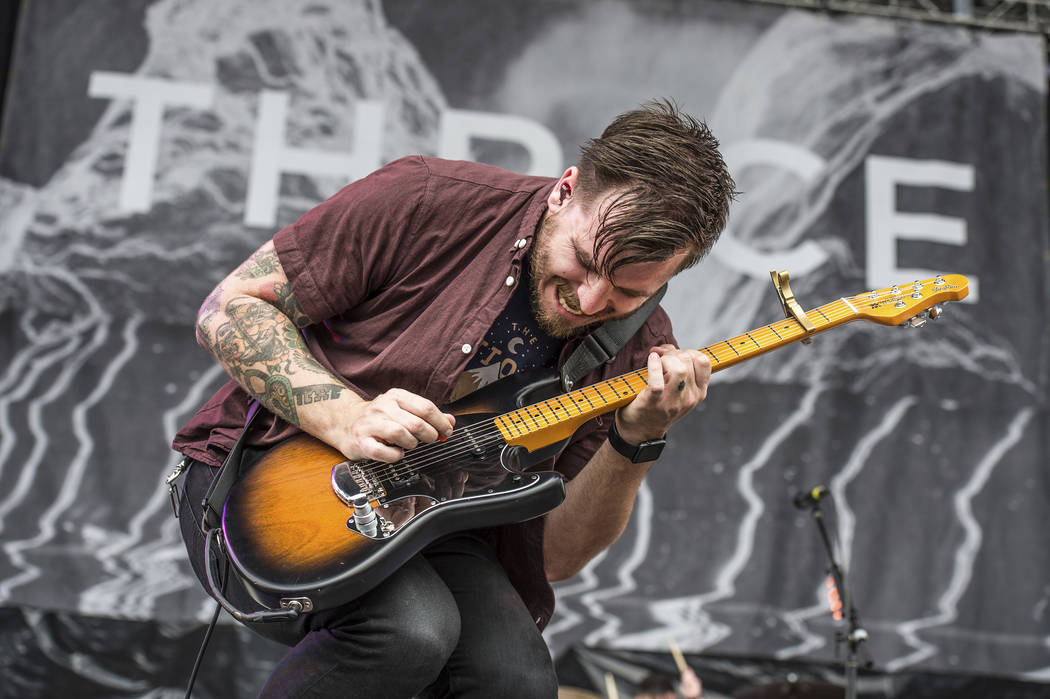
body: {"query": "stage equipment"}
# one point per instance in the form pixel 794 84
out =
pixel 839 599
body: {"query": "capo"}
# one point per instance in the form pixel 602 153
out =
pixel 791 307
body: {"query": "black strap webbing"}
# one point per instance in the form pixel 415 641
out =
pixel 220 486
pixel 604 342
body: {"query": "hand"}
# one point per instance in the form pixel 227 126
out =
pixel 384 427
pixel 677 383
pixel 690 685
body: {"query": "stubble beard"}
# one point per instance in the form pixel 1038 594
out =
pixel 539 270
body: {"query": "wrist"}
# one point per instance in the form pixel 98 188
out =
pixel 330 420
pixel 642 451
pixel 633 433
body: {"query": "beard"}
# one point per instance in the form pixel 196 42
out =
pixel 552 323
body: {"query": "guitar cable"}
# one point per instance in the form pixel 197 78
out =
pixel 207 634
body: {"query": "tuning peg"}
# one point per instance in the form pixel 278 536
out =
pixel 916 321
pixel 935 312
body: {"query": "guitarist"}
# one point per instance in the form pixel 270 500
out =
pixel 413 286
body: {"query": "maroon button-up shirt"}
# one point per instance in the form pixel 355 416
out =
pixel 403 272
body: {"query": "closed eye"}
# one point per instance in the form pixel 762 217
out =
pixel 585 261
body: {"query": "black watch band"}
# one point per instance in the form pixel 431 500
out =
pixel 648 450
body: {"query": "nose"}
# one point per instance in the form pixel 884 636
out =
pixel 594 294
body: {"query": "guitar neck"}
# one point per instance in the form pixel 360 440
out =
pixel 556 418
pixel 785 331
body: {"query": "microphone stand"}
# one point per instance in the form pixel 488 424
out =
pixel 856 635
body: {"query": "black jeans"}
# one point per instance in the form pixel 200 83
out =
pixel 446 624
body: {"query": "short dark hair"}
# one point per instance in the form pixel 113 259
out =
pixel 672 186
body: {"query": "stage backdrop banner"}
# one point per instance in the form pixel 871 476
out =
pixel 148 147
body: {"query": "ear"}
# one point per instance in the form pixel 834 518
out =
pixel 564 188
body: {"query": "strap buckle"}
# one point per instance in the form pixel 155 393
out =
pixel 173 489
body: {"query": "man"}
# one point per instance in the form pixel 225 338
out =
pixel 398 295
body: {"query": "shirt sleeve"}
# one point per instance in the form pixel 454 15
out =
pixel 337 253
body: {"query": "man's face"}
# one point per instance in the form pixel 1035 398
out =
pixel 568 295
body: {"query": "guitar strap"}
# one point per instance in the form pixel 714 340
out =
pixel 230 469
pixel 604 342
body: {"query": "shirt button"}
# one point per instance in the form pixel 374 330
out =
pixel 521 242
pixel 465 348
pixel 510 281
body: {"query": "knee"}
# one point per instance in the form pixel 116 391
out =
pixel 417 640
pixel 526 673
pixel 423 646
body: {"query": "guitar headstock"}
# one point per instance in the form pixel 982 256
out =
pixel 905 302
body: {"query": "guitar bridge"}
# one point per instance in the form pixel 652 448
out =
pixel 351 479
pixel 367 482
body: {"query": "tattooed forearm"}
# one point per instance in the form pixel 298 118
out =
pixel 275 393
pixel 253 334
pixel 304 395
pixel 262 262
pixel 210 306
pixel 251 323
pixel 207 311
pixel 264 352
pixel 282 398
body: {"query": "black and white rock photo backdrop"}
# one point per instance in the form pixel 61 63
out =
pixel 148 147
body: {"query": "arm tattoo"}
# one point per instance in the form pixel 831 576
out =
pixel 263 263
pixel 260 264
pixel 316 393
pixel 289 305
pixel 207 311
pixel 210 306
pixel 276 393
pixel 261 349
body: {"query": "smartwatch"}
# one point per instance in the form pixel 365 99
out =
pixel 648 450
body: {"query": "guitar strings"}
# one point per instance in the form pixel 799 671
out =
pixel 489 435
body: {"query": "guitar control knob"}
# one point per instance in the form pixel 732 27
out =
pixel 364 515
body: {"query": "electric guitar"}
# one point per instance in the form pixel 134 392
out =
pixel 306 529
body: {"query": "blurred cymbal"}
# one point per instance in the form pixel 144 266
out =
pixel 783 689
pixel 577 693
